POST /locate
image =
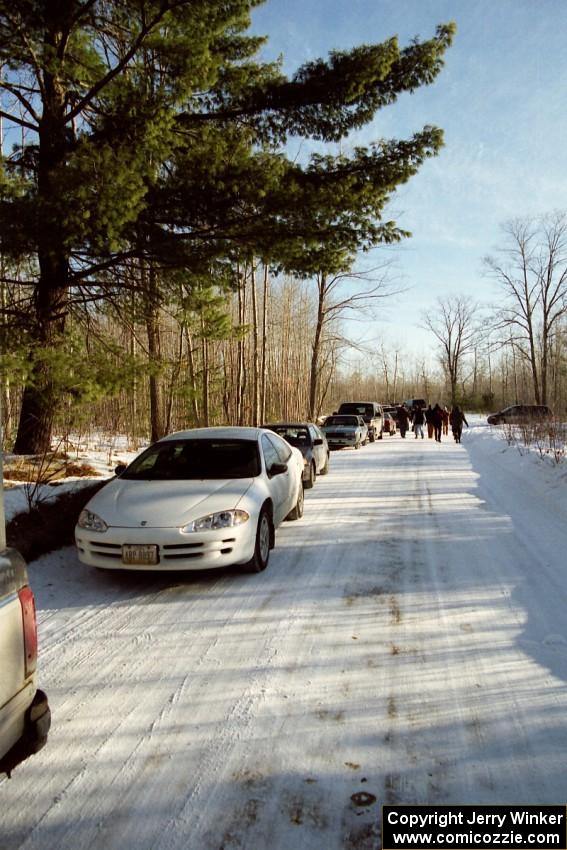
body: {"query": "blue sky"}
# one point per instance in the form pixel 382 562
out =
pixel 501 100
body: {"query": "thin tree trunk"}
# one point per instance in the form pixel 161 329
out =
pixel 205 375
pixel 241 364
pixel 264 344
pixel 173 383
pixel 255 350
pixel 192 378
pixel 149 279
pixel 316 349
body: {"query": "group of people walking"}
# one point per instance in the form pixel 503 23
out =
pixel 436 419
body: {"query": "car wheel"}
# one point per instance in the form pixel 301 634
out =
pixel 297 511
pixel 357 444
pixel 259 560
pixel 312 476
pixel 325 469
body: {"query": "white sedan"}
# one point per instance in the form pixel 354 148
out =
pixel 197 499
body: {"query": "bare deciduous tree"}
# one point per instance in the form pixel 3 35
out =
pixel 333 305
pixel 531 270
pixel 453 324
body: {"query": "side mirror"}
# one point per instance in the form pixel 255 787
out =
pixel 118 470
pixel 277 469
pixel 318 442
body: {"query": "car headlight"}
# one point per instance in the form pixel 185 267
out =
pixel 91 521
pixel 221 519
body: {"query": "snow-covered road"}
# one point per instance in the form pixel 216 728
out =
pixel 408 643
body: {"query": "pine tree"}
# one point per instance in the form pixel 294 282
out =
pixel 149 131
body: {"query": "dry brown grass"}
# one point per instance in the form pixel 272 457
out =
pixel 29 469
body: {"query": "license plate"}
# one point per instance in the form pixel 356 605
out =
pixel 137 554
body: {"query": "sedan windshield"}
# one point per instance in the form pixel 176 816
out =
pixel 190 460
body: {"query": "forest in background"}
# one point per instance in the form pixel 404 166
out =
pixel 246 354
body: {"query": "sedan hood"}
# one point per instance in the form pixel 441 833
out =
pixel 165 504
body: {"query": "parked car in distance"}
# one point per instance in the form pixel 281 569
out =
pixel 210 497
pixel 343 431
pixel 392 409
pixel 371 413
pixel 518 414
pixel 389 424
pixel 412 403
pixel 25 716
pixel 311 442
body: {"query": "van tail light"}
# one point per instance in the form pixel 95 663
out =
pixel 27 603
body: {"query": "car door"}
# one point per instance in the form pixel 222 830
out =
pixel 278 485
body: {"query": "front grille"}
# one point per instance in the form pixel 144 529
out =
pixel 169 551
pixel 178 551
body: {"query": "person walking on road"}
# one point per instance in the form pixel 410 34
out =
pixel 437 422
pixel 418 421
pixel 429 420
pixel 457 418
pixel 445 417
pixel 403 420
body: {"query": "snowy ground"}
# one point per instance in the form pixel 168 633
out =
pixel 407 642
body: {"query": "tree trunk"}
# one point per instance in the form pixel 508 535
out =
pixel 5 401
pixel 314 371
pixel 205 375
pixel 241 363
pixel 264 344
pixel 192 377
pixel 41 394
pixel 173 382
pixel 255 350
pixel 149 280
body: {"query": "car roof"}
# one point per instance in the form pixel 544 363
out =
pixel 222 432
pixel 377 403
pixel 290 425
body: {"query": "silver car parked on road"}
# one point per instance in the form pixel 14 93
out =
pixel 344 431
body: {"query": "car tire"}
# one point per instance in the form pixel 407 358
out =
pixel 372 437
pixel 357 444
pixel 259 560
pixel 308 484
pixel 325 469
pixel 297 511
